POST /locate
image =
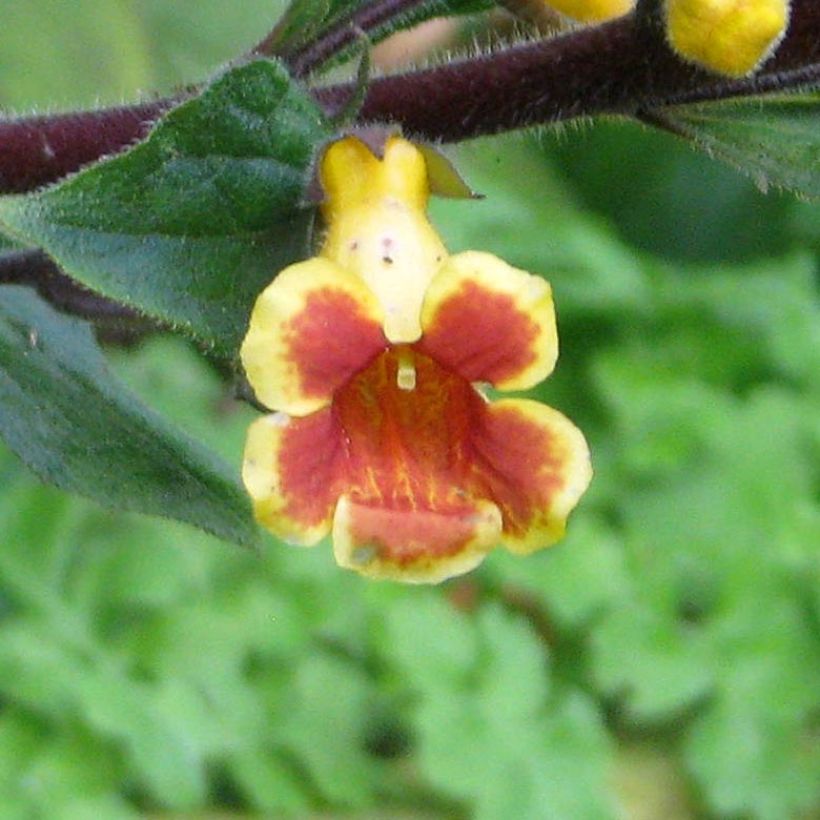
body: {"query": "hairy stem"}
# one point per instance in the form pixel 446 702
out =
pixel 38 150
pixel 622 67
pixel 346 32
pixel 341 34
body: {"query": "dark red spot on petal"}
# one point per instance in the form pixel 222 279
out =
pixel 331 339
pixel 481 335
pixel 311 457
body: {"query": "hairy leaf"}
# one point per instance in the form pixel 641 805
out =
pixel 72 423
pixel 776 141
pixel 190 225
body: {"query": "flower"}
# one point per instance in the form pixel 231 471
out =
pixel 730 37
pixel 370 353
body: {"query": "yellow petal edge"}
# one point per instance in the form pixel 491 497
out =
pixel 266 353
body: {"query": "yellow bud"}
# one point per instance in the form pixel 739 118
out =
pixel 730 37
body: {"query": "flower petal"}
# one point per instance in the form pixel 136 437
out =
pixel 378 228
pixel 414 545
pixel 312 328
pixel 534 464
pixel 291 471
pixel 490 322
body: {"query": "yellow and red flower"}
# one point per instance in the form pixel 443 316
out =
pixel 371 353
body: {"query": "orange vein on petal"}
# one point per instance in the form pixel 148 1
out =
pixel 407 511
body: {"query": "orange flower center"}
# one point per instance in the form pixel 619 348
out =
pixel 406 423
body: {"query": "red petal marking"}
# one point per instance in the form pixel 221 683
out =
pixel 403 536
pixel 415 462
pixel 406 470
pixel 330 340
pixel 406 444
pixel 481 335
pixel 311 461
pixel 516 465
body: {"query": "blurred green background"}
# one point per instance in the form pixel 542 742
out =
pixel 663 662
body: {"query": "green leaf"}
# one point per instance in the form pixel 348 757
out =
pixel 776 140
pixel 447 657
pixel 299 24
pixel 78 428
pixel 750 765
pixel 552 763
pixel 667 669
pixel 578 580
pixel 190 225
pixel 306 21
pixel 329 692
pixel 268 782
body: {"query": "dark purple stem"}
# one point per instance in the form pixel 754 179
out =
pixel 346 32
pixel 37 150
pixel 623 67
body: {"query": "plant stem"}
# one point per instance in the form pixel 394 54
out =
pixel 366 19
pixel 622 67
pixel 35 269
pixel 38 150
